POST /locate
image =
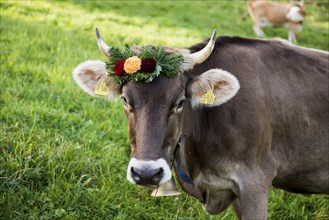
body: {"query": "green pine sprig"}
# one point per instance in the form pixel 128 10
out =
pixel 167 64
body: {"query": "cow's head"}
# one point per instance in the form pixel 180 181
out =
pixel 154 109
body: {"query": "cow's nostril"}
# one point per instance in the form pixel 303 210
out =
pixel 135 174
pixel 158 175
pixel 160 172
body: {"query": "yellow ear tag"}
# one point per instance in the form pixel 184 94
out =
pixel 208 98
pixel 101 88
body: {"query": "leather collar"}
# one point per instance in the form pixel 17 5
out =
pixel 180 172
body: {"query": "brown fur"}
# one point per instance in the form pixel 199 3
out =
pixel 264 13
pixel 274 131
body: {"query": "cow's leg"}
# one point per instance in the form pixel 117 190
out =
pixel 258 30
pixel 253 187
pixel 253 203
pixel 293 29
pixel 292 37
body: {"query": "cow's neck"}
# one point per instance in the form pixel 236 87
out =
pixel 200 152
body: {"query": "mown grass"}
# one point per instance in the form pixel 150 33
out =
pixel 63 154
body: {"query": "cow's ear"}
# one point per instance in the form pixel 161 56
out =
pixel 91 77
pixel 213 88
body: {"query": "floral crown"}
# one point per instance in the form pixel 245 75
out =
pixel 144 65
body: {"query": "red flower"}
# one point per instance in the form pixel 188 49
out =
pixel 118 68
pixel 148 65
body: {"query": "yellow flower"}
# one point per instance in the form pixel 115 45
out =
pixel 132 65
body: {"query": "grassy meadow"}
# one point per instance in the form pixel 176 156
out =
pixel 63 154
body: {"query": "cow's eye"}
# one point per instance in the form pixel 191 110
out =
pixel 180 105
pixel 127 105
pixel 125 101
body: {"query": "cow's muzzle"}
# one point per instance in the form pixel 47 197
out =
pixel 147 176
pixel 153 172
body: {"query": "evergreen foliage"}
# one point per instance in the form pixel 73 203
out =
pixel 167 64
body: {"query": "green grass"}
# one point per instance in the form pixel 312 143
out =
pixel 63 154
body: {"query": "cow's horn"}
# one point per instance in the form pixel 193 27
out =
pixel 102 45
pixel 202 55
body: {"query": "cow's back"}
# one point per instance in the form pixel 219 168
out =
pixel 281 110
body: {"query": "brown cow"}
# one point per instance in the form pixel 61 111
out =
pixel 274 14
pixel 252 114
